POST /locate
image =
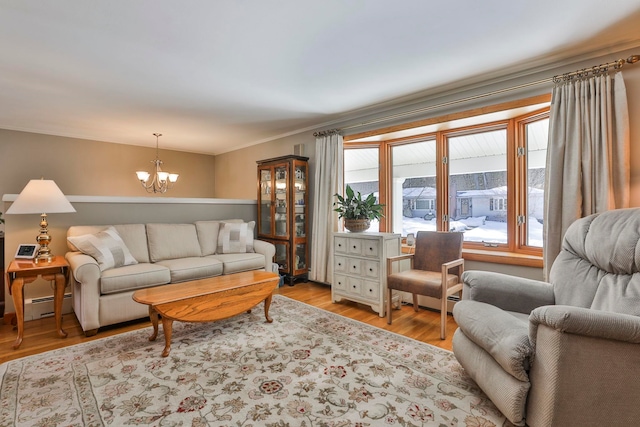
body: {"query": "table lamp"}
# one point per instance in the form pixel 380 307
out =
pixel 40 196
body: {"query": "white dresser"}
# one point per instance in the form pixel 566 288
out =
pixel 360 267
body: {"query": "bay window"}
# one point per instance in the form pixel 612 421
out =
pixel 482 175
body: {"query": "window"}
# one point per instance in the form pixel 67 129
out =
pixel 498 204
pixel 413 188
pixel 482 175
pixel 361 172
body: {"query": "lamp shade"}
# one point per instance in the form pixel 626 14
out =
pixel 40 196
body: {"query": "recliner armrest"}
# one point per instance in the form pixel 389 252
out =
pixel 510 293
pixel 586 322
pixel 584 367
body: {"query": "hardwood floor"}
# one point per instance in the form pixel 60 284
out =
pixel 40 335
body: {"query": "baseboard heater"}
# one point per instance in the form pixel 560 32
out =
pixel 38 308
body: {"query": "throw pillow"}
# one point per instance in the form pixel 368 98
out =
pixel 106 247
pixel 235 237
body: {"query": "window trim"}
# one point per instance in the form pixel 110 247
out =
pixel 515 251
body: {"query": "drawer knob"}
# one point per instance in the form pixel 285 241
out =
pixel 371 269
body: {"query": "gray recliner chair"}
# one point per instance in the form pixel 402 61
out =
pixel 564 353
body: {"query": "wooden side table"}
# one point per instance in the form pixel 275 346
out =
pixel 21 272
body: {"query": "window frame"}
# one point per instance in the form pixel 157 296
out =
pixel 515 251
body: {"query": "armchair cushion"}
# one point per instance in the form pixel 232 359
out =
pixel 421 282
pixel 503 336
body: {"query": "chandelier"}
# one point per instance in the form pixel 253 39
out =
pixel 162 181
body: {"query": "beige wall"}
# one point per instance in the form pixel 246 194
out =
pixel 84 167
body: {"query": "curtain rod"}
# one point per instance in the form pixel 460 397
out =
pixel 602 68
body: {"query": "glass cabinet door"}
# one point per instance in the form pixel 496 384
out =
pixel 264 224
pixel 282 208
pixel 300 207
pixel 282 250
pixel 301 256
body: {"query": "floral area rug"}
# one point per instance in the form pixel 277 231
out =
pixel 307 368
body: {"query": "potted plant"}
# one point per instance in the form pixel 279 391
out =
pixel 356 211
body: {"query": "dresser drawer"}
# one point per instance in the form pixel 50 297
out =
pixel 370 269
pixel 370 290
pixel 340 282
pixel 355 247
pixel 354 286
pixel 340 245
pixel 340 264
pixel 370 248
pixel 354 266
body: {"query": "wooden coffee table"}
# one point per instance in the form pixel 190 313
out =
pixel 206 300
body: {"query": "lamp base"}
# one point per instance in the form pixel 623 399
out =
pixel 43 239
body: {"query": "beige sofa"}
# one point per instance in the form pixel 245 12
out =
pixel 109 263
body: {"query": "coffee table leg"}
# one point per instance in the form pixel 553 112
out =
pixel 267 304
pixel 166 327
pixel 153 316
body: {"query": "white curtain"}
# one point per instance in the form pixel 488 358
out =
pixel 328 181
pixel 588 169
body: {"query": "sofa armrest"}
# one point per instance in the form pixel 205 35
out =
pixel 85 282
pixel 267 249
pixel 510 293
pixel 84 268
pixel 584 367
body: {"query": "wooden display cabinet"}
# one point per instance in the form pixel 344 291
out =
pixel 282 212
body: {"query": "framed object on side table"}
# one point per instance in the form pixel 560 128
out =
pixel 282 212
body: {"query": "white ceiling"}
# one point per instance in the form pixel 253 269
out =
pixel 217 75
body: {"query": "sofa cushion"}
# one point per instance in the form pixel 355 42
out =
pixel 235 263
pixel 132 277
pixel 106 247
pixel 208 236
pixel 192 268
pixel 503 336
pixel 134 237
pixel 235 237
pixel 172 241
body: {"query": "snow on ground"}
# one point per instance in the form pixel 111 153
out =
pixel 475 229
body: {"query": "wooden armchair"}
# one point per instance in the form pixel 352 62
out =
pixel 436 268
